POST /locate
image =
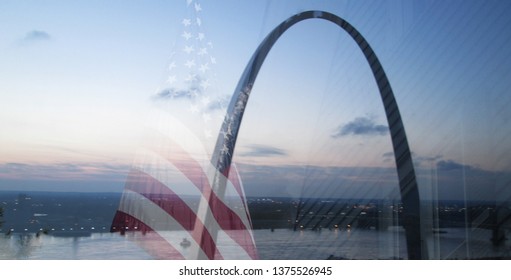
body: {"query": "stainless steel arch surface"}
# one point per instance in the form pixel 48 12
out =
pixel 224 149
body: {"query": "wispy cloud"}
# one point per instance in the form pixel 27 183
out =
pixel 417 160
pixel 449 165
pixel 63 171
pixel 263 151
pixel 191 89
pixel 36 36
pixel 173 93
pixel 360 126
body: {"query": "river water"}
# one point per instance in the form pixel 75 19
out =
pixel 277 244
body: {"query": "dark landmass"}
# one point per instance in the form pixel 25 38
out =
pixel 76 214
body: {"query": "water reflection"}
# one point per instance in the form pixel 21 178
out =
pixel 276 244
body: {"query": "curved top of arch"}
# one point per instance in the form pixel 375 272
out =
pixel 226 141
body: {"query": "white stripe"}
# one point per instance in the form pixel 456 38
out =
pixel 152 215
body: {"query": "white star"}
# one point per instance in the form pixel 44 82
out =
pixel 171 79
pixel 186 35
pixel 193 93
pixel 190 63
pixel 210 44
pixel 199 21
pixel 200 36
pixel 172 65
pixel 229 131
pixel 203 68
pixel 188 49
pixel 186 22
pixel 239 105
pixel 194 108
pixel 225 149
pixel 198 8
pixel 213 60
pixel 206 117
pixel 202 51
pixel 207 133
pixel 205 100
pixel 190 77
pixel 223 133
pixel 205 84
pixel 188 2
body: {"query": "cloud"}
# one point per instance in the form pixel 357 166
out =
pixel 63 171
pixel 417 160
pixel 172 93
pixel 36 35
pixel 263 151
pixel 449 165
pixel 420 160
pixel 192 88
pixel 360 126
pixel 388 154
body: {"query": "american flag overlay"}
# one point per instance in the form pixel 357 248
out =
pixel 169 205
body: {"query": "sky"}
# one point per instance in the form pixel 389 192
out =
pixel 82 83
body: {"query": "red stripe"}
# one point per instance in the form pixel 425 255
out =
pixel 151 241
pixel 142 183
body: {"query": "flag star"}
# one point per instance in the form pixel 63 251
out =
pixel 223 133
pixel 213 60
pixel 199 21
pixel 172 65
pixel 210 44
pixel 190 77
pixel 203 68
pixel 206 117
pixel 200 36
pixel 207 133
pixel 186 22
pixel 202 51
pixel 188 2
pixel 171 79
pixel 228 119
pixel 205 100
pixel 239 106
pixel 190 63
pixel 194 108
pixel 229 131
pixel 225 149
pixel 198 8
pixel 186 35
pixel 205 84
pixel 188 49
pixel 193 93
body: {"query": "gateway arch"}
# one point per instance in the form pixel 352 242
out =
pixel 224 149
